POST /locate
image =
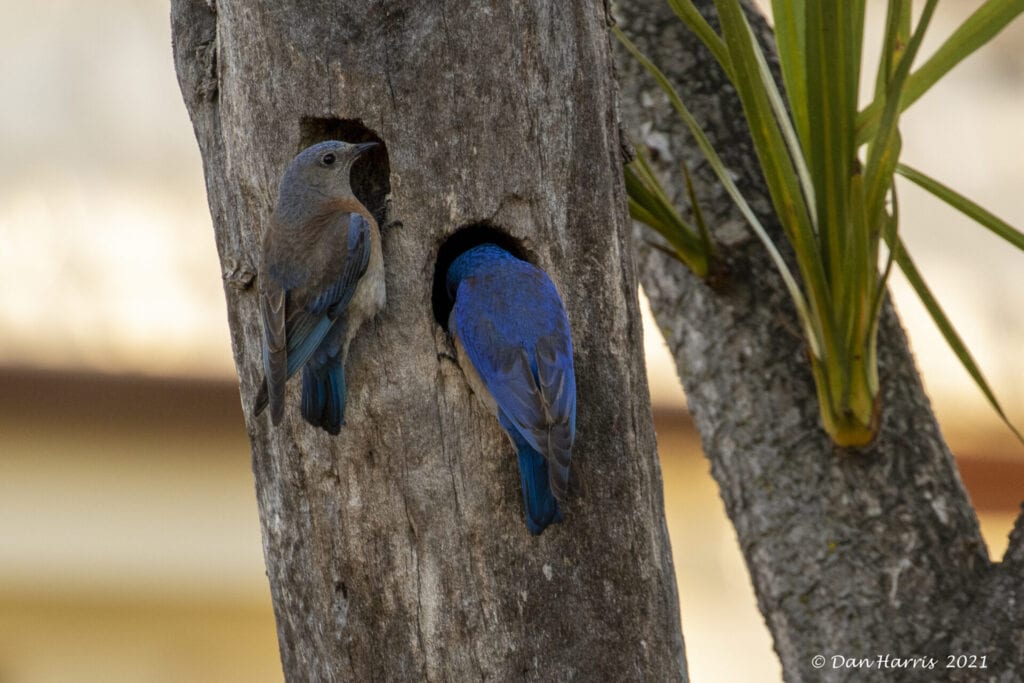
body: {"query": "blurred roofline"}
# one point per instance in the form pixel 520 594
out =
pixel 80 397
pixel 42 399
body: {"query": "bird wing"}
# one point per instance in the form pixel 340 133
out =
pixel 335 298
pixel 292 334
pixel 535 395
pixel 557 380
pixel 273 299
pixel 308 326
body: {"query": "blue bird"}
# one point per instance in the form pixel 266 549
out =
pixel 321 276
pixel 513 343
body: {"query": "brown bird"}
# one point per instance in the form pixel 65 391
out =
pixel 321 276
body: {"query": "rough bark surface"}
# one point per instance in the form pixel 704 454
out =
pixel 397 551
pixel 856 553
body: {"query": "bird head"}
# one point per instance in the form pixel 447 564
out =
pixel 473 261
pixel 319 173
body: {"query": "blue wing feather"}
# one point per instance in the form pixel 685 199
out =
pixel 512 325
pixel 335 298
pixel 307 328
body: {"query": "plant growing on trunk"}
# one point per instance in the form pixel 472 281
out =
pixel 830 169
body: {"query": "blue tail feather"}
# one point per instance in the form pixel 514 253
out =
pixel 323 396
pixel 542 508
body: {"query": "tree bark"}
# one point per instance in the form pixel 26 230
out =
pixel 860 553
pixel 397 551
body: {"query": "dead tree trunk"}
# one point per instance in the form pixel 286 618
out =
pixel 397 550
pixel 857 554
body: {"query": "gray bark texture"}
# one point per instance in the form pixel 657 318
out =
pixel 397 551
pixel 854 553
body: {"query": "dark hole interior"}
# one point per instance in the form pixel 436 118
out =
pixel 371 173
pixel 463 239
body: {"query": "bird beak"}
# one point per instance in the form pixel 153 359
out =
pixel 362 147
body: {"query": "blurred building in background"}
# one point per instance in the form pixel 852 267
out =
pixel 129 538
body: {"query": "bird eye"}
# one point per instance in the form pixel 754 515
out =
pixel 328 159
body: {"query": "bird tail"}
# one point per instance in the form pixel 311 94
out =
pixel 542 508
pixel 262 398
pixel 323 395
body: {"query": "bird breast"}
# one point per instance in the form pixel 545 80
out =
pixel 370 295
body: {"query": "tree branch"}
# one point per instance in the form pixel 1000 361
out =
pixel 856 553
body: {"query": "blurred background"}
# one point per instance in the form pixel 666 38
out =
pixel 129 539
